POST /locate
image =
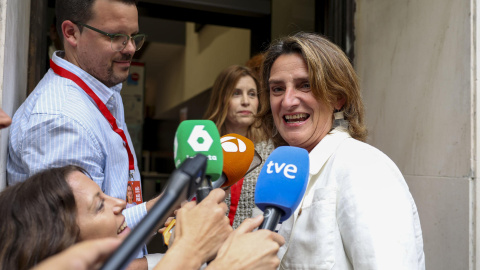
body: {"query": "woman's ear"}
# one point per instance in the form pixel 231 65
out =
pixel 70 33
pixel 338 105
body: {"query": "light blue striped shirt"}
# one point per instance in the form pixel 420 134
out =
pixel 59 124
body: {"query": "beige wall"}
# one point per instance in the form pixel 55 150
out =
pixel 186 71
pixel 14 30
pixel 210 51
pixel 414 59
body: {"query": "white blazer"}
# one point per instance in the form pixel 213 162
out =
pixel 357 212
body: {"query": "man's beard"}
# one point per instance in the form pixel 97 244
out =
pixel 111 78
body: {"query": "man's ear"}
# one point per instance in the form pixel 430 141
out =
pixel 338 105
pixel 70 33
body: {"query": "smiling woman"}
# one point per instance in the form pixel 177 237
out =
pixel 357 212
pixel 51 211
pixel 98 215
pixel 300 118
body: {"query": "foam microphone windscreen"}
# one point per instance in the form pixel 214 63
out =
pixel 238 153
pixel 199 137
pixel 283 180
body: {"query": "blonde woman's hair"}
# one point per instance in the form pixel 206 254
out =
pixel 222 91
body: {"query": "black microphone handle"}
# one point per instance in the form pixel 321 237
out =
pixel 144 230
pixel 271 217
pixel 180 185
pixel 204 189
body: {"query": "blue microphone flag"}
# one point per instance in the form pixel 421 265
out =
pixel 283 180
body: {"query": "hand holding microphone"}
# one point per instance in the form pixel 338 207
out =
pixel 248 249
pixel 279 190
pixel 237 152
pixel 197 137
pixel 204 226
pixel 180 186
pixel 199 232
pixel 281 184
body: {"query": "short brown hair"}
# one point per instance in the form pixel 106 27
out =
pixel 77 11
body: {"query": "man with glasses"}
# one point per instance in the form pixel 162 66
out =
pixel 75 114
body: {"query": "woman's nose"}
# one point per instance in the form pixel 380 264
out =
pixel 245 100
pixel 118 205
pixel 290 99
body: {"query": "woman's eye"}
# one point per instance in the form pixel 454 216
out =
pixel 276 90
pixel 101 205
pixel 306 85
pixel 237 93
pixel 252 94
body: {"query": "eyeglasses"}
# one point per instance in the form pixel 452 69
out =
pixel 118 42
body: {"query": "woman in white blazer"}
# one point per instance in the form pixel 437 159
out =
pixel 357 211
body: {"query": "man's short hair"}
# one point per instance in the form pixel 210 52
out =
pixel 77 11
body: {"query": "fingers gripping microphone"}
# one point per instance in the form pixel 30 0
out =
pixel 182 184
pixel 238 153
pixel 200 137
pixel 281 184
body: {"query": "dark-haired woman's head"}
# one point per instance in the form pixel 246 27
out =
pixel 51 211
pixel 38 218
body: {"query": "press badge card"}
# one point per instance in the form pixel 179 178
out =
pixel 134 193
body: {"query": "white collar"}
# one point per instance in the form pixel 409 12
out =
pixel 100 89
pixel 325 148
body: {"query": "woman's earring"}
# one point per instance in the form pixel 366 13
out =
pixel 339 120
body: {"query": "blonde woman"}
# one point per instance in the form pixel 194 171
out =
pixel 233 107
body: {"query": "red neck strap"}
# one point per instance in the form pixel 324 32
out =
pixel 101 106
pixel 235 192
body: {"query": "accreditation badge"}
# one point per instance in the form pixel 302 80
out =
pixel 134 193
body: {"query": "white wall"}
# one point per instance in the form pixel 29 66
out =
pixel 415 64
pixel 14 34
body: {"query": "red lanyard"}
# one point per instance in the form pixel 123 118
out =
pixel 235 191
pixel 101 106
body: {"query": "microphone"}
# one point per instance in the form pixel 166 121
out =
pixel 181 185
pixel 281 184
pixel 200 137
pixel 238 154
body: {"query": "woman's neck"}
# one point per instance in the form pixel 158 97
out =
pixel 237 130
